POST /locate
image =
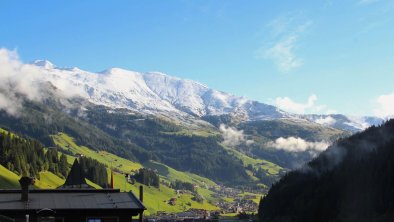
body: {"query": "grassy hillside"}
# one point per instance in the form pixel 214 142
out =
pixel 267 166
pixel 190 132
pixel 68 143
pixel 273 129
pixel 123 165
pixel 92 184
pixel 172 175
pixel 8 179
pixel 49 180
pixel 155 199
pixel 182 147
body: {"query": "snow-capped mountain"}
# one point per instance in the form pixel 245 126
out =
pixel 154 92
pixel 348 123
pixel 158 93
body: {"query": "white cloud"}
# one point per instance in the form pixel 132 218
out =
pixel 18 79
pixel 282 53
pixel 327 121
pixel 296 144
pixel 357 122
pixel 289 105
pixel 386 105
pixel 280 25
pixel 232 136
pixel 10 104
pixel 286 32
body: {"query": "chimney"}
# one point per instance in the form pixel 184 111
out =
pixel 25 182
pixel 141 218
pixel 112 180
pixel 141 193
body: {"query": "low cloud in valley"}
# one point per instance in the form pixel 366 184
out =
pixel 233 137
pixel 296 144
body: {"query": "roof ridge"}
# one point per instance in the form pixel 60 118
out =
pixel 68 190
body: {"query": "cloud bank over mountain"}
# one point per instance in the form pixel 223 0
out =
pixel 18 79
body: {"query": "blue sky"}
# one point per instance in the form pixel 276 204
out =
pixel 304 56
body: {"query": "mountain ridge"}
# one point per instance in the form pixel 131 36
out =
pixel 161 94
pixel 122 112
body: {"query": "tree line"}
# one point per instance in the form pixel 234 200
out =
pixel 147 177
pixel 353 180
pixel 25 156
pixel 94 171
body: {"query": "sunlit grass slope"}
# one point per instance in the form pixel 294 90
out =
pixel 48 180
pixel 67 143
pixel 156 199
pixel 8 179
pixel 269 167
pixel 172 175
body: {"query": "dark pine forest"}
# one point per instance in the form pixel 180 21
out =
pixel 353 180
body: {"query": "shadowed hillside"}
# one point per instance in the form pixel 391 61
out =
pixel 352 181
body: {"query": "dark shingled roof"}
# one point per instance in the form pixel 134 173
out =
pixel 70 199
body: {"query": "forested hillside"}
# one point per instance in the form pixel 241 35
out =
pixel 157 178
pixel 194 153
pixel 144 138
pixel 124 134
pixel 27 156
pixel 352 181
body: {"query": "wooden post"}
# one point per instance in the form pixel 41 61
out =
pixel 141 219
pixel 112 180
pixel 141 193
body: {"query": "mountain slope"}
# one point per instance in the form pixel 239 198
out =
pixel 153 116
pixel 121 166
pixel 352 181
pixel 140 138
pixel 347 123
pixel 8 179
pixel 153 93
pixel 186 100
pixel 156 199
